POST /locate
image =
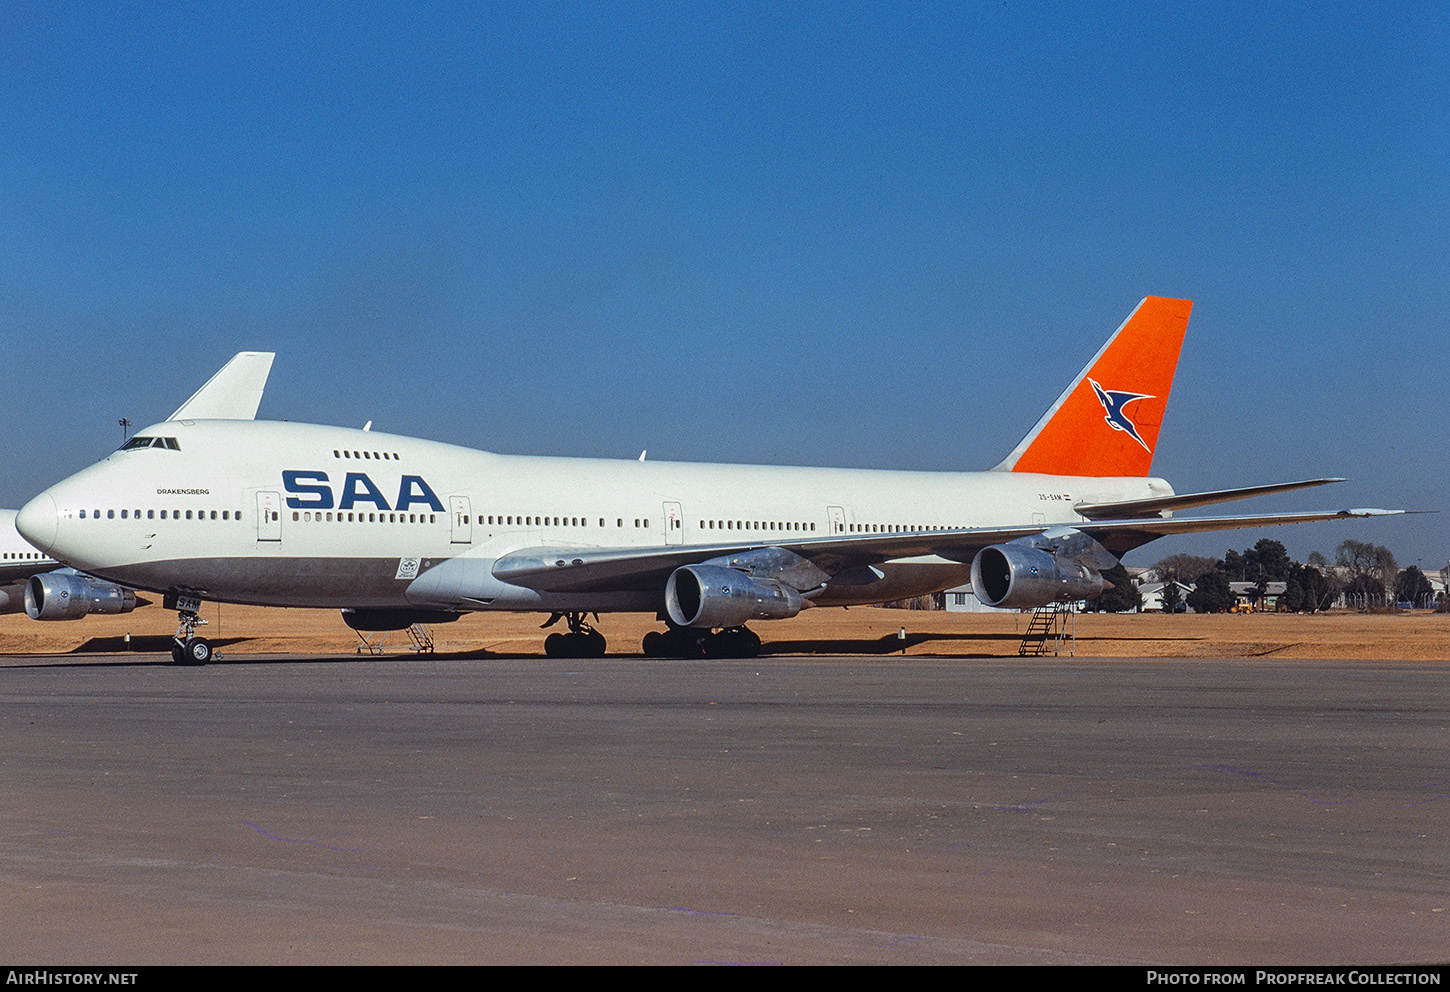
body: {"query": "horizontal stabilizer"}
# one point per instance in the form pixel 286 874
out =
pixel 1187 501
pixel 234 393
pixel 1121 536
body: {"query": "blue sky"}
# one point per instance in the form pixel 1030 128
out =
pixel 879 235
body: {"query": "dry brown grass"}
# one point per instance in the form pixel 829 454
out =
pixel 255 630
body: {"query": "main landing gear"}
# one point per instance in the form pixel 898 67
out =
pixel 186 647
pixel 582 641
pixel 690 642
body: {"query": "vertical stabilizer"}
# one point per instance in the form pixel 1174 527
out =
pixel 1106 423
pixel 234 393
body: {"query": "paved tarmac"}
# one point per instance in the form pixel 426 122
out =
pixel 779 810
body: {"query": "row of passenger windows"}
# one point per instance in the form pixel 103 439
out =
pixel 380 456
pixel 508 520
pixel 796 526
pixel 895 528
pixel 310 516
pixel 162 514
pixel 24 556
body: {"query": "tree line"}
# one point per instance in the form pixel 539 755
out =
pixel 1364 574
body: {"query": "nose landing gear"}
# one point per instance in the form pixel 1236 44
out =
pixel 186 647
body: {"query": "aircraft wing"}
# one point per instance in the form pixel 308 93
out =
pixel 572 569
pixel 557 569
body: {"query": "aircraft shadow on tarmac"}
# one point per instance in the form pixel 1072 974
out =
pixel 885 645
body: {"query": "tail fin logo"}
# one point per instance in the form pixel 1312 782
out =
pixel 1113 403
pixel 1070 439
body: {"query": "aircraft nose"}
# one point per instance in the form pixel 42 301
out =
pixel 36 522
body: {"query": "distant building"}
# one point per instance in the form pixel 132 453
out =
pixel 961 599
pixel 1152 593
pixel 1248 594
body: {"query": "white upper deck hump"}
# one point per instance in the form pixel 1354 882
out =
pixel 234 393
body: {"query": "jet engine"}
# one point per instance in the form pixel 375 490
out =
pixel 1015 577
pixel 712 596
pixel 71 595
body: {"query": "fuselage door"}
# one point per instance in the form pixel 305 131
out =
pixel 837 517
pixel 269 517
pixel 674 523
pixel 462 522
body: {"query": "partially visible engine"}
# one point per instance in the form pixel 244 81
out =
pixel 1016 577
pixel 67 595
pixel 712 596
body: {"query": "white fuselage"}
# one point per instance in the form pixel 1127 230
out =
pixel 304 515
pixel 18 561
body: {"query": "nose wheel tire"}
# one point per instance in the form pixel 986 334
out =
pixel 192 651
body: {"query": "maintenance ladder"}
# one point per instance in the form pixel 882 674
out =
pixel 1052 628
pixel 421 639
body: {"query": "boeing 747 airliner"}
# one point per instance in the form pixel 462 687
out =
pixel 212 505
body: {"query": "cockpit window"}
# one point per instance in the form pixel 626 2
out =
pixel 142 441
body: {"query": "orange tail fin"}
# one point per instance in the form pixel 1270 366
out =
pixel 1107 421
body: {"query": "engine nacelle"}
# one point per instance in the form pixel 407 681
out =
pixel 70 596
pixel 1021 578
pixel 713 596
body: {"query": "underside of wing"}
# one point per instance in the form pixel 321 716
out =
pixel 556 569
